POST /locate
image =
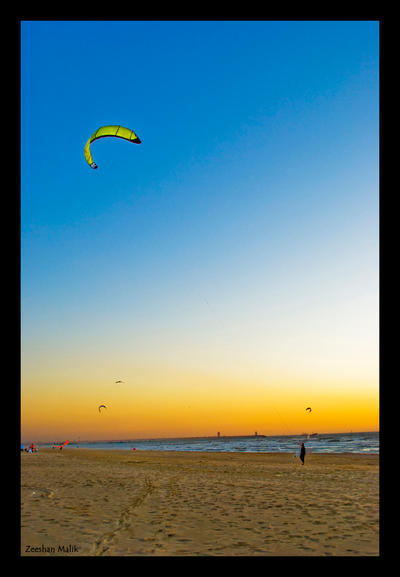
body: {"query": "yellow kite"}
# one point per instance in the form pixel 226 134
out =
pixel 116 132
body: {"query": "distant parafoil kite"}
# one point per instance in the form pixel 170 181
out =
pixel 309 409
pixel 101 407
pixel 115 131
pixel 60 446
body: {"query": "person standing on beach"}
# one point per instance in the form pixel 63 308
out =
pixel 302 453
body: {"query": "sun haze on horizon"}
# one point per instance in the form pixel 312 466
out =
pixel 223 275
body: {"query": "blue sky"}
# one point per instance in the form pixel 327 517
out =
pixel 247 220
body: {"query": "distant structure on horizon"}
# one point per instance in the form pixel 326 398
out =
pixel 218 434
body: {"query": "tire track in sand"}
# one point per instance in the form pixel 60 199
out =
pixel 101 545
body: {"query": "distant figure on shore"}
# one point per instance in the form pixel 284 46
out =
pixel 302 453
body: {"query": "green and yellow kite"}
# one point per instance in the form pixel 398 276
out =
pixel 116 132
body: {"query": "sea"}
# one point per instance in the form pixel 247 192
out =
pixel 366 443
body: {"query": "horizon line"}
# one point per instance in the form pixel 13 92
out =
pixel 254 436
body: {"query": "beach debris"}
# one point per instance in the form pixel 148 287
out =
pixel 101 407
pixel 115 131
pixel 39 492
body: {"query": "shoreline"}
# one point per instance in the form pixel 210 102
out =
pixel 211 452
pixel 99 502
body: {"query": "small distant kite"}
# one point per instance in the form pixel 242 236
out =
pixel 61 446
pixel 101 407
pixel 309 409
pixel 113 130
pixel 118 382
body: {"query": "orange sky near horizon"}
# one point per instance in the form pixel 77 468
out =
pixel 182 404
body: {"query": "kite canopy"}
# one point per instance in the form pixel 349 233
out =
pixel 101 407
pixel 115 131
pixel 309 409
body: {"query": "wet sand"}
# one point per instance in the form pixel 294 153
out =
pixel 86 502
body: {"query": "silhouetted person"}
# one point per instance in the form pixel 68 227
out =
pixel 302 453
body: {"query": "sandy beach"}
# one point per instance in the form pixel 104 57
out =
pixel 86 502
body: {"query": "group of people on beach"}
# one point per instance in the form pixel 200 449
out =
pixel 30 449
